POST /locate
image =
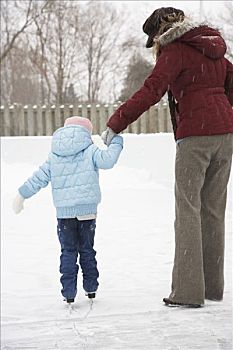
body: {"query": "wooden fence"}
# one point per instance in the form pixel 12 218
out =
pixel 18 120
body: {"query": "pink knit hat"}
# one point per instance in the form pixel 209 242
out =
pixel 86 123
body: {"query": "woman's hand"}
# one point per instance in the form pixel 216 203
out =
pixel 107 136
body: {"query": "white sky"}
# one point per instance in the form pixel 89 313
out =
pixel 183 5
pixel 212 12
pixel 191 8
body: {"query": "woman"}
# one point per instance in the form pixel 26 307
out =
pixel 192 68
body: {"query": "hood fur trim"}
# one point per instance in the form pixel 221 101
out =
pixel 176 31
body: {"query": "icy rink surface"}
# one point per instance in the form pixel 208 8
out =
pixel 135 248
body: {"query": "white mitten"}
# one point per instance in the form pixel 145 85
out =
pixel 107 136
pixel 18 204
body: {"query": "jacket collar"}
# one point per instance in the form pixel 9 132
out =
pixel 176 31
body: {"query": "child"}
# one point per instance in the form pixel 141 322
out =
pixel 72 167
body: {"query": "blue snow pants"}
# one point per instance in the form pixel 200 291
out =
pixel 77 240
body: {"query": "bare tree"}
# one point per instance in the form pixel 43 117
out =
pixel 225 21
pixel 11 33
pixel 18 78
pixel 64 50
pixel 101 46
pixel 38 57
pixel 54 53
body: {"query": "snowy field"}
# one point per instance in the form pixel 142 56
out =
pixel 135 248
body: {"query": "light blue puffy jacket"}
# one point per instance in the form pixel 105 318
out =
pixel 72 167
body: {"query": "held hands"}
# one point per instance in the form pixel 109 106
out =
pixel 18 204
pixel 107 136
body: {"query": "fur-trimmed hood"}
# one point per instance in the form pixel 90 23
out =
pixel 200 36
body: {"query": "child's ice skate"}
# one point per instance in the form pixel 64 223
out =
pixel 69 300
pixel 90 295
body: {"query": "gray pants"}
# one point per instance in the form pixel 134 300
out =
pixel 203 165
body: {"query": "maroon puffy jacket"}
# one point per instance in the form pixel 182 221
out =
pixel 192 65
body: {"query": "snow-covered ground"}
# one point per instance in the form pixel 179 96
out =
pixel 135 247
